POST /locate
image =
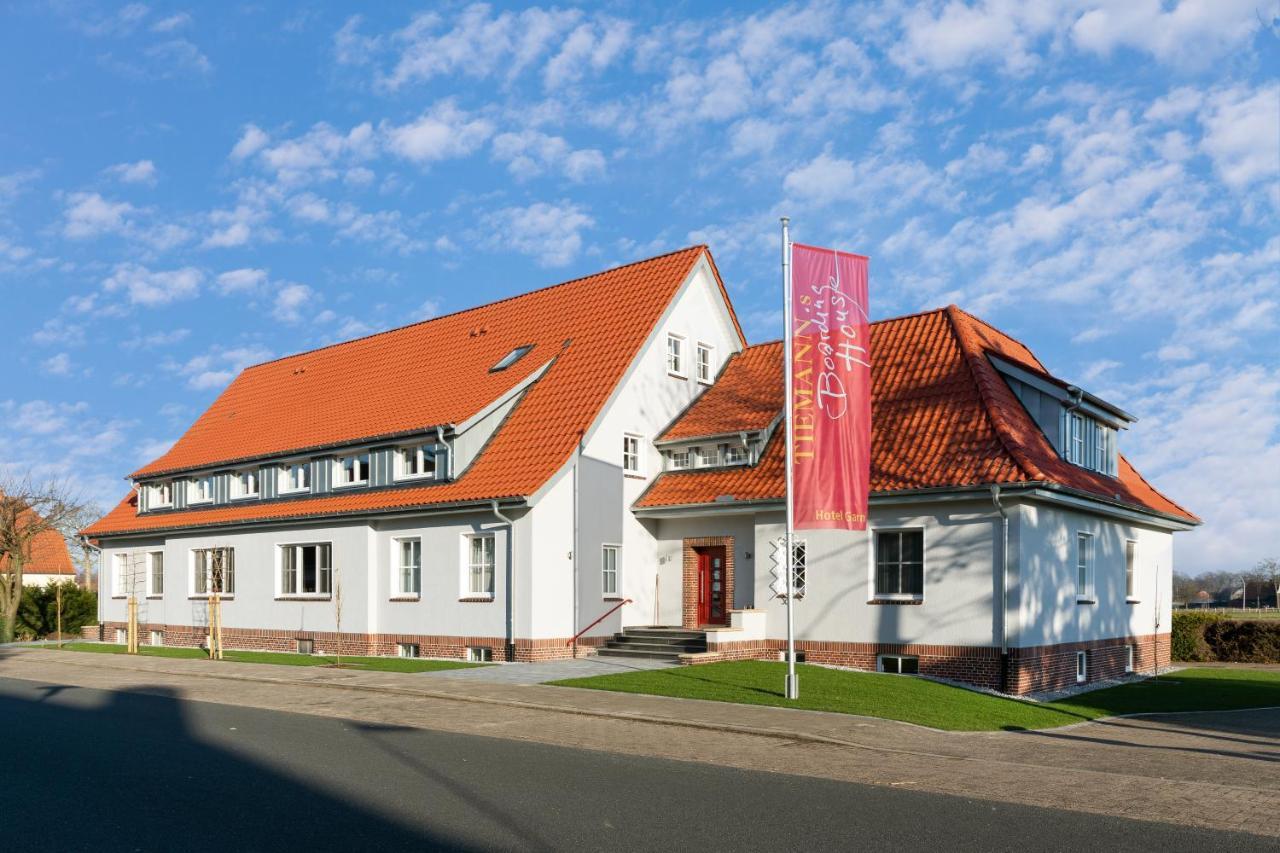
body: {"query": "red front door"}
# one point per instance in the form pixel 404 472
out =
pixel 711 586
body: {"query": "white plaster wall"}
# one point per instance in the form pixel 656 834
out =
pixel 549 595
pixel 1048 612
pixel 961 540
pixel 671 533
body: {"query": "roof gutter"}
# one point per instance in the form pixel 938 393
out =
pixel 511 578
pixel 1004 587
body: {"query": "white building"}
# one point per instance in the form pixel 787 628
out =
pixel 529 478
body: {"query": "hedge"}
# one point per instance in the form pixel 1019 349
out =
pixel 1212 637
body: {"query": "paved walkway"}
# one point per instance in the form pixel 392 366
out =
pixel 552 670
pixel 1217 770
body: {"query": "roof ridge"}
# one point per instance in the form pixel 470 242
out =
pixel 982 381
pixel 536 290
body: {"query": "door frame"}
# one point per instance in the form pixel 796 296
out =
pixel 690 610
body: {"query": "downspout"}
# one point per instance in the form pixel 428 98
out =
pixel 1004 588
pixel 511 580
pixel 449 455
pixel 573 553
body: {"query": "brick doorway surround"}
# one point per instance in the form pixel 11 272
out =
pixel 689 603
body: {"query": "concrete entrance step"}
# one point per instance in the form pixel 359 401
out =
pixel 655 642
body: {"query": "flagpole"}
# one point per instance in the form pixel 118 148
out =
pixel 792 684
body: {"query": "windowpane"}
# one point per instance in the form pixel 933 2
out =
pixel 899 561
pixel 1130 559
pixel 157 573
pixel 481 565
pixel 609 570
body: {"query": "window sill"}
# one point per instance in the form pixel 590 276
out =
pixel 476 598
pixel 223 597
pixel 355 485
pixel 631 475
pixel 121 597
pixel 155 597
pixel 413 478
pixel 613 598
pixel 325 597
pixel 199 501
pixel 910 599
pixel 680 376
pixel 1086 599
pixel 406 598
pixel 295 491
pixel 244 497
pixel 1133 601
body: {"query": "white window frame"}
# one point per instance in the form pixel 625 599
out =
pixel 193 489
pixel 704 360
pixel 324 574
pixel 1130 658
pixel 284 483
pixel 706 456
pixel 119 573
pixel 340 480
pixel 873 574
pixel 408 650
pixel 631 447
pixel 398 590
pixel 468 566
pixel 194 561
pixel 421 453
pixel 676 362
pixel 680 459
pixel 160 495
pixel 1082 667
pixel 733 454
pixel 239 492
pixel 1085 568
pixel 611 552
pixel 1131 571
pixel 152 592
pixel 1075 438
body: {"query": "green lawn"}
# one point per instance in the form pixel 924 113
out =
pixel 367 663
pixel 928 703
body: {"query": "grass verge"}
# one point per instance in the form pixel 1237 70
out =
pixel 940 706
pixel 372 664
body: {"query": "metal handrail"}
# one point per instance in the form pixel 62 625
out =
pixel 605 616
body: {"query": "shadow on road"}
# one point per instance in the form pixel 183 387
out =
pixel 133 775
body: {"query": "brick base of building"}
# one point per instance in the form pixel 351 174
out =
pixel 1030 670
pixel 429 646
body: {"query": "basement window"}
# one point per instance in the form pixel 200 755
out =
pixel 1082 667
pixel 407 650
pixel 306 647
pixel 1128 658
pixel 479 654
pixel 511 358
pixel 898 664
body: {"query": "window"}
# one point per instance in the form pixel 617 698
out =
pixel 898 664
pixel 306 647
pixel 631 454
pixel 1084 567
pixel 353 470
pixel 1075 448
pixel 157 638
pixel 120 575
pixel 213 570
pixel 1130 568
pixel 161 495
pixel 479 654
pixel 511 358
pixel 706 456
pixel 899 564
pixel 244 484
pixel 419 461
pixel 733 454
pixel 408 567
pixel 295 477
pixel 200 490
pixel 609 569
pixel 155 574
pixel 306 569
pixel 122 636
pixel 704 362
pixel 1128 658
pixel 675 355
pixel 1090 444
pixel 480 556
pixel 407 650
pixel 680 458
pixel 1082 667
pixel 799 559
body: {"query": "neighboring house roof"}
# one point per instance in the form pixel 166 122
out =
pixel 941 417
pixel 48 556
pixel 433 373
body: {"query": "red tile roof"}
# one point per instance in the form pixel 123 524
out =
pixel 744 397
pixel 430 373
pixel 942 416
pixel 48 555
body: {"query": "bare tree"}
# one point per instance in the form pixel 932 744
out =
pixel 1269 569
pixel 86 515
pixel 28 509
pixel 337 611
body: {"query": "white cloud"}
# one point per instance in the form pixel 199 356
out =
pixel 826 179
pixel 753 136
pixel 530 153
pixel 171 23
pixel 1189 32
pixel 444 132
pixel 14 184
pixel 251 141
pixel 549 233
pixel 218 366
pixel 155 340
pixel 957 35
pixel 57 365
pixel 90 215
pixel 141 172
pixel 243 280
pixel 590 47
pixel 1242 134
pixel 179 55
pixel 153 288
pixel 59 331
pixel 290 300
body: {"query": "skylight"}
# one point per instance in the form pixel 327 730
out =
pixel 511 358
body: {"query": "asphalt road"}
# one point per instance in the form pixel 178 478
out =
pixel 84 769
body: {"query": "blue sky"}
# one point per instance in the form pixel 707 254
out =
pixel 188 189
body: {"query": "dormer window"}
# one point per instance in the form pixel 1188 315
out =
pixel 353 470
pixel 244 484
pixel 295 476
pixel 511 358
pixel 161 495
pixel 707 456
pixel 733 454
pixel 419 461
pixel 1090 444
pixel 200 490
pixel 680 459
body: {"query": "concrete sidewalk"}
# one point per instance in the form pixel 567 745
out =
pixel 1215 770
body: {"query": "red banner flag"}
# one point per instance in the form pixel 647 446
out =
pixel 830 376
